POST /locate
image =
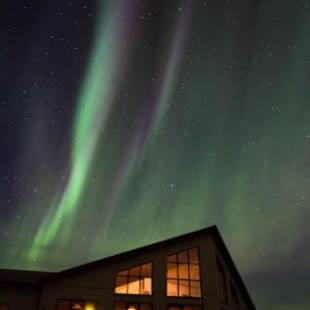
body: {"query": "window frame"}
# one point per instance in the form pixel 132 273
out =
pixel 189 280
pixel 78 300
pixel 140 278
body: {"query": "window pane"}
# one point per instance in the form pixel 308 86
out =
pixel 182 257
pixel 77 305
pixel 172 288
pixel 90 305
pixel 146 286
pixel 135 272
pixel 174 308
pixel 121 285
pixel 146 270
pixel 183 288
pixel 132 306
pixel 195 289
pixel 183 271
pixel 133 285
pixel 194 272
pixel 172 258
pixel 193 256
pixel 183 267
pixel 61 305
pixel 136 280
pixel 172 271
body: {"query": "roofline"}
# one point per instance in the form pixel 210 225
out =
pixel 126 254
pixel 212 230
pixel 31 282
pixel 25 270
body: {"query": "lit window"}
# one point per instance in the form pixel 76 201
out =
pixel 4 307
pixel 183 274
pixel 132 306
pixel 223 292
pixel 71 304
pixel 135 281
pixel 234 297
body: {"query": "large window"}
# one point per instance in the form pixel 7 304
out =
pixel 135 281
pixel 73 304
pixel 132 306
pixel 4 307
pixel 184 307
pixel 222 283
pixel 183 274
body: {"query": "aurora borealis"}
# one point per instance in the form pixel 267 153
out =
pixel 126 122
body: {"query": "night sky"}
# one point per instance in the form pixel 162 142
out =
pixel 126 122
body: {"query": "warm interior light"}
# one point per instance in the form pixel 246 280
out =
pixel 135 281
pixel 183 275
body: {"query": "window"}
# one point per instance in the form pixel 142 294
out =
pixel 183 274
pixel 223 292
pixel 132 306
pixel 135 281
pixel 234 297
pixel 72 304
pixel 4 307
pixel 184 307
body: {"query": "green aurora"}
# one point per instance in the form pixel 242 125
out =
pixel 187 114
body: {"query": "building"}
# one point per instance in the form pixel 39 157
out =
pixel 189 272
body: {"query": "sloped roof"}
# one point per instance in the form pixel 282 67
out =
pixel 212 231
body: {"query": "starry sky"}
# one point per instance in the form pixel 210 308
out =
pixel 126 122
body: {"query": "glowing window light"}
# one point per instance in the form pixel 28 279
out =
pixel 183 274
pixel 135 281
pixel 90 306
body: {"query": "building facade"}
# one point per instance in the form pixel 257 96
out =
pixel 189 272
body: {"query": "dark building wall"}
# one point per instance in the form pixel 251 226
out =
pixel 19 297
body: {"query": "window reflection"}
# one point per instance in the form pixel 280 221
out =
pixel 183 274
pixel 135 281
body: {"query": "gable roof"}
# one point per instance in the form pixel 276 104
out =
pixel 212 231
